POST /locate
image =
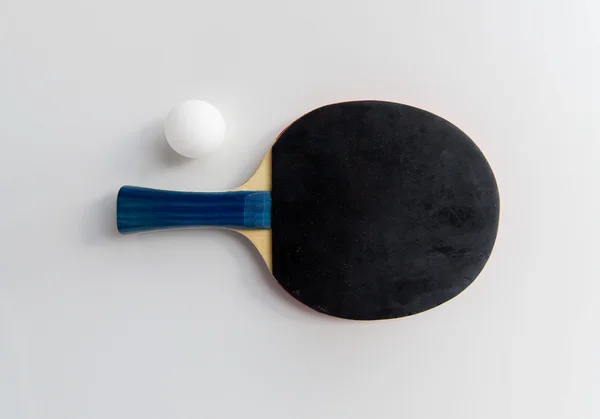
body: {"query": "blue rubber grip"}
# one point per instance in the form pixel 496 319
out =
pixel 144 209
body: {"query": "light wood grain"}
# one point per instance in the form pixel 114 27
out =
pixel 260 181
pixel 261 239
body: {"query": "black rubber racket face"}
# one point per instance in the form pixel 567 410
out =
pixel 379 210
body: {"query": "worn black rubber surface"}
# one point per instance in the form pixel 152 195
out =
pixel 379 210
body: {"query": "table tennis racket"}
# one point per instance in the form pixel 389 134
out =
pixel 362 210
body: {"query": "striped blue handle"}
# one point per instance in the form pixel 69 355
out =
pixel 144 209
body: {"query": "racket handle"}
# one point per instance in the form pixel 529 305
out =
pixel 144 209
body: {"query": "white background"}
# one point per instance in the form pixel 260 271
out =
pixel 190 324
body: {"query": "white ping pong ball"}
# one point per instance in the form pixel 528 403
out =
pixel 195 128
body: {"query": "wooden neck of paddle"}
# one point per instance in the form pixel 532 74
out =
pixel 261 180
pixel 144 209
